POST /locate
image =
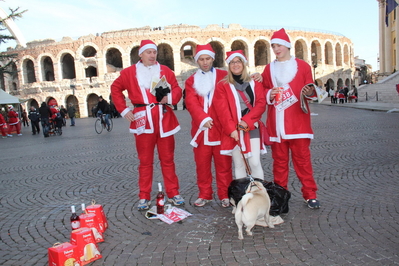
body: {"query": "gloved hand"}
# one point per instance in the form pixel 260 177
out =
pixel 161 92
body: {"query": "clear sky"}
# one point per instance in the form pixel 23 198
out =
pixel 54 19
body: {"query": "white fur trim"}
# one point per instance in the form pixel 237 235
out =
pixel 281 42
pixel 147 46
pixel 124 112
pixel 204 83
pixel 228 59
pixel 285 71
pixel 210 53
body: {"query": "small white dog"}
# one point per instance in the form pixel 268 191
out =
pixel 253 206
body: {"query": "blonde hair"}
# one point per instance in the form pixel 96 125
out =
pixel 244 75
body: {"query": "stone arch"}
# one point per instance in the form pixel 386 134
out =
pixel 219 54
pixel 187 52
pixel 328 53
pixel 113 59
pixel 89 51
pixel 47 66
pixel 165 55
pixel 14 76
pixel 29 70
pixel 346 54
pixel 315 51
pixel 68 66
pixel 92 101
pixel 301 49
pixel 329 84
pixel 134 55
pixel 71 99
pixel 340 83
pixel 34 103
pixel 348 83
pixel 338 54
pixel 261 53
pixel 239 45
pixel 91 71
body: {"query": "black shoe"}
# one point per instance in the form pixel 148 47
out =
pixel 313 203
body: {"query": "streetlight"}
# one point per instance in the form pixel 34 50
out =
pixel 314 61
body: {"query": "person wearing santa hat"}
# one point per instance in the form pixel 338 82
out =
pixel 205 128
pixel 3 126
pixel 13 121
pixel 239 102
pixel 152 120
pixel 286 82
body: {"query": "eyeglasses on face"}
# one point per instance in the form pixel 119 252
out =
pixel 235 62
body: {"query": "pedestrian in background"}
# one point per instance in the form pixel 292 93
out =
pixel 34 117
pixel 3 126
pixel 13 121
pixel 24 116
pixel 71 114
pixel 45 114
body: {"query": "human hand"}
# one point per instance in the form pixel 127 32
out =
pixel 308 90
pixel 274 92
pixel 234 135
pixel 129 116
pixel 209 124
pixel 257 77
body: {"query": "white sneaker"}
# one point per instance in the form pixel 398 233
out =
pixel 9 135
pixel 19 134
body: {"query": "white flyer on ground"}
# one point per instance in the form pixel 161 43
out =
pixel 173 215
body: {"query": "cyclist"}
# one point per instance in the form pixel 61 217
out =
pixel 103 108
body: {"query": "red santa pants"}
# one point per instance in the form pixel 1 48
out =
pixel 3 131
pixel 223 169
pixel 301 159
pixel 17 128
pixel 145 145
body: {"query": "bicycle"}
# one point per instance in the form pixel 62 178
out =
pixel 100 124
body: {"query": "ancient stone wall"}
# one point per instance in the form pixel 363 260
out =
pixel 78 71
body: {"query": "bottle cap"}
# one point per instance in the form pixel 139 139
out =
pixel 159 186
pixel 83 206
pixel 73 209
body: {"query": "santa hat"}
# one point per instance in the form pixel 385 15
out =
pixel 281 37
pixel 233 54
pixel 204 49
pixel 10 107
pixel 146 44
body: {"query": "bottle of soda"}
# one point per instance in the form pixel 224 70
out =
pixel 160 200
pixel 75 220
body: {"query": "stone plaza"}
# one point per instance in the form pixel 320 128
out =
pixel 355 156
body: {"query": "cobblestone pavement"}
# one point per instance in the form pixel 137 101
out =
pixel 356 163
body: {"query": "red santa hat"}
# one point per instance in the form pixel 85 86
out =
pixel 233 54
pixel 10 107
pixel 281 37
pixel 147 44
pixel 204 49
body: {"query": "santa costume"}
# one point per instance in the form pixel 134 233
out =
pixel 13 121
pixel 3 126
pixel 154 124
pixel 200 89
pixel 227 102
pixel 288 125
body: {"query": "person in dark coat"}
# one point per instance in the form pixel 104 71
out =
pixel 71 114
pixel 34 117
pixel 45 114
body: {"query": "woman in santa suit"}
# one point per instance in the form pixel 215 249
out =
pixel 240 102
pixel 13 121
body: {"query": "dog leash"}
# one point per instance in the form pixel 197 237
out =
pixel 251 179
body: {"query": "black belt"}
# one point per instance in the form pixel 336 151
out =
pixel 143 105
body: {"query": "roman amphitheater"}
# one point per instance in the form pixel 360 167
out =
pixel 78 71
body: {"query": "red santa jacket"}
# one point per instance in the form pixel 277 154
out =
pixel 2 120
pixel 12 117
pixel 201 110
pixel 127 80
pixel 227 105
pixel 291 123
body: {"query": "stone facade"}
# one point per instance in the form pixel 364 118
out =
pixel 78 71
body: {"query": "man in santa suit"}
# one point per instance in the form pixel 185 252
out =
pixel 205 130
pixel 286 85
pixel 152 120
